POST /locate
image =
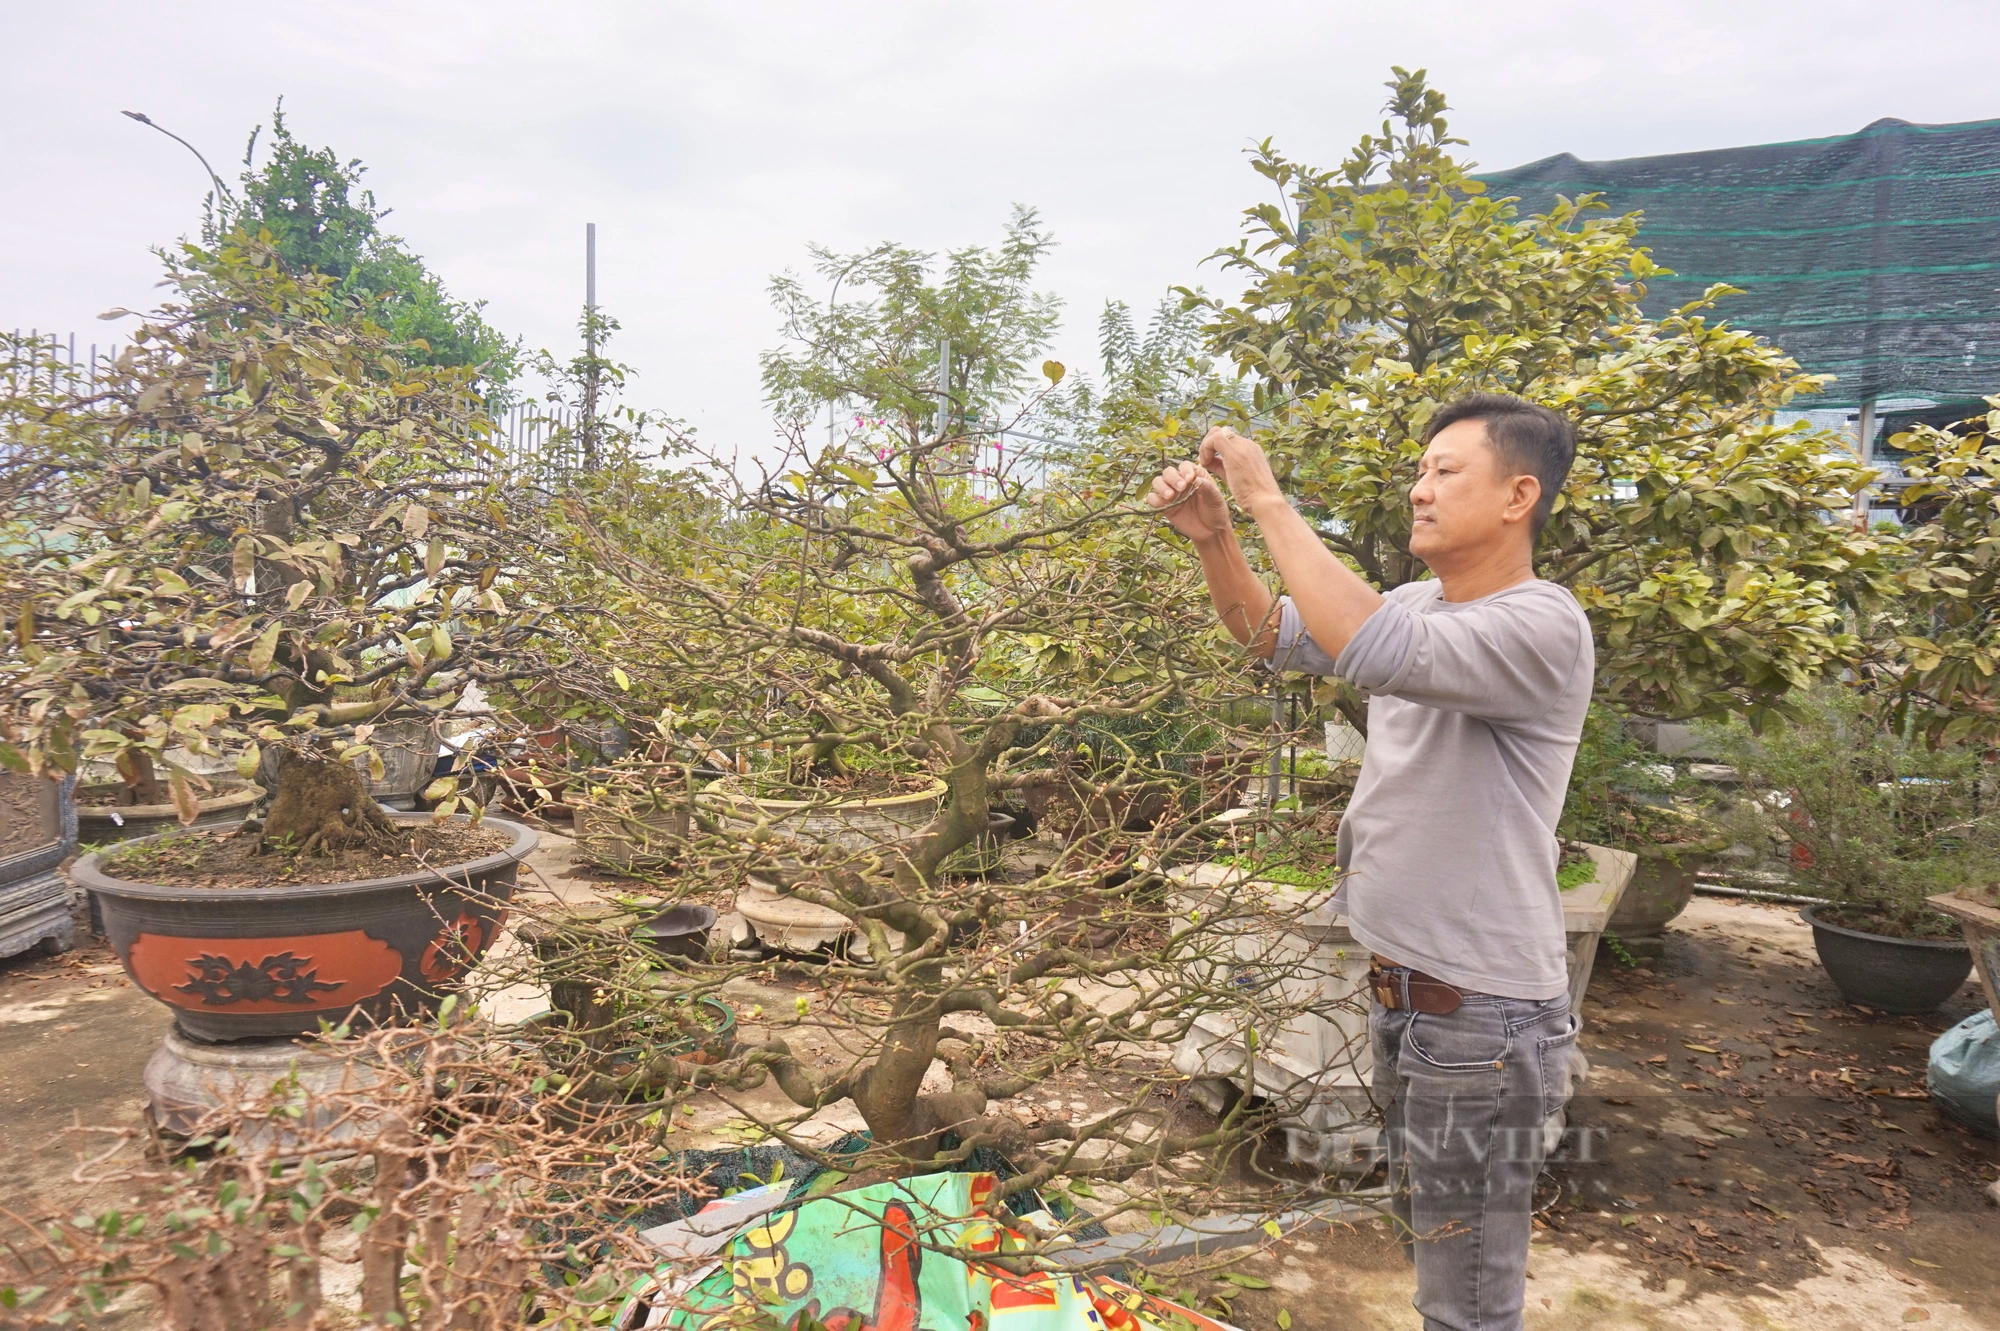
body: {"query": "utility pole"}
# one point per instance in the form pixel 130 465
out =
pixel 944 387
pixel 591 346
pixel 1864 447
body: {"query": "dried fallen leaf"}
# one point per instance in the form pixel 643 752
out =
pixel 1916 1314
pixel 1699 1048
pixel 1918 1261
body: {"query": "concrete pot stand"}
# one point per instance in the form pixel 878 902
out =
pixel 37 833
pixel 1319 1064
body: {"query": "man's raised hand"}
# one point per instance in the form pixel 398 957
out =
pixel 1190 499
pixel 1240 464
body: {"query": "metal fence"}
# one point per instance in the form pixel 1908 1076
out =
pixel 529 441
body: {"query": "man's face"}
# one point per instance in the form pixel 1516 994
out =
pixel 1465 499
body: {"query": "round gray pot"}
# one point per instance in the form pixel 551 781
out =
pixel 1900 975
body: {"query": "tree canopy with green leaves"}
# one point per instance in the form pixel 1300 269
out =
pixel 322 219
pixel 1700 537
pixel 1936 646
pixel 877 350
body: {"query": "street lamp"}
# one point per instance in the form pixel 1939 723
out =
pixel 222 190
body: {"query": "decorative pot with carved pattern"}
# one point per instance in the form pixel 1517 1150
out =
pixel 275 962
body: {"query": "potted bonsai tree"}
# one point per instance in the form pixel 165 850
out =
pixel 1879 822
pixel 881 600
pixel 1939 640
pixel 1626 798
pixel 271 533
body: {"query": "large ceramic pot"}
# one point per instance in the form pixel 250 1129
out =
pixel 859 824
pixel 258 963
pixel 103 824
pixel 1661 887
pixel 624 840
pixel 37 833
pixel 1899 975
pixel 409 753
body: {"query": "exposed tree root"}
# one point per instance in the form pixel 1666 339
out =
pixel 321 806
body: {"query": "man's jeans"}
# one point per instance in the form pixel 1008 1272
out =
pixel 1464 1097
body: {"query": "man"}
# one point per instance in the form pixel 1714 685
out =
pixel 1477 681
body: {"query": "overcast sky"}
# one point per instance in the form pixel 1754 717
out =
pixel 712 142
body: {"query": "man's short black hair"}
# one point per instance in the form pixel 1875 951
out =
pixel 1529 439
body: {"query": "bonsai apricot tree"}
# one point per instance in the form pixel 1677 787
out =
pixel 886 599
pixel 267 528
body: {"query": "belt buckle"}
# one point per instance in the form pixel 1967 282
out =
pixel 1386 991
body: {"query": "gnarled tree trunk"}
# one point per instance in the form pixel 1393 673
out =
pixel 321 805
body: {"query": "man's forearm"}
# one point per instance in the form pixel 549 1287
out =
pixel 1241 599
pixel 1331 598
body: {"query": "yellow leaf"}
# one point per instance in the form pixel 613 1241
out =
pixel 185 803
pixel 1699 1048
pixel 434 559
pixel 440 643
pixel 265 649
pixel 248 761
pixel 621 679
pixel 441 789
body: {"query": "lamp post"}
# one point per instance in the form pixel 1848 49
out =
pixel 222 190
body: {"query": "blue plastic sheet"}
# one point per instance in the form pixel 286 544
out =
pixel 1964 1075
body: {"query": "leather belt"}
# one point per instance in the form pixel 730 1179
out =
pixel 1398 987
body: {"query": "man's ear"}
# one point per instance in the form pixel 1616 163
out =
pixel 1524 492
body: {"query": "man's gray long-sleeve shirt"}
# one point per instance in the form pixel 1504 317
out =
pixel 1474 712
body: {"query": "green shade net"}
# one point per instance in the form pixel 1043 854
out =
pixel 1874 256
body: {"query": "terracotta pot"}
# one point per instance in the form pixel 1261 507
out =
pixel 104 824
pixel 257 963
pixel 1222 776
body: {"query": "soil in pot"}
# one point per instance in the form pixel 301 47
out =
pixel 225 861
pixel 1903 975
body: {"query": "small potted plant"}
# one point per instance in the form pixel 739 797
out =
pixel 1623 797
pixel 1879 823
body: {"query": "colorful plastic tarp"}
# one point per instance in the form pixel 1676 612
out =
pixel 911 1255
